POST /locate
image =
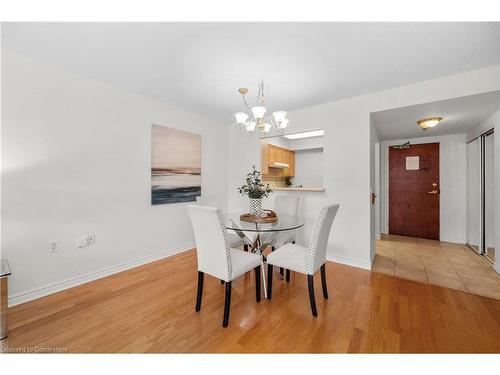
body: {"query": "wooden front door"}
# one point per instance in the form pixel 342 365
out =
pixel 414 191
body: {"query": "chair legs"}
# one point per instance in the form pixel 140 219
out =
pixel 257 283
pixel 323 281
pixel 227 304
pixel 288 271
pixel 310 284
pixel 227 301
pixel 200 290
pixel 269 281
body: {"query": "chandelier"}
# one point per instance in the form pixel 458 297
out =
pixel 256 117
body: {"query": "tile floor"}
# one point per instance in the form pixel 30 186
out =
pixel 441 263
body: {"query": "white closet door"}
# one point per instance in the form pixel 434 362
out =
pixel 474 194
pixel 489 197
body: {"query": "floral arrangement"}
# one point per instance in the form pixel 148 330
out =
pixel 254 187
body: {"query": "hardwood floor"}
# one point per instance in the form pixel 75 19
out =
pixel 152 309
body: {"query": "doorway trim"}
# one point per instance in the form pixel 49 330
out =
pixel 447 233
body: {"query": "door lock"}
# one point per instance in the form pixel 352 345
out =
pixel 432 192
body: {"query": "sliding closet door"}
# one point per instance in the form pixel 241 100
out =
pixel 474 194
pixel 489 199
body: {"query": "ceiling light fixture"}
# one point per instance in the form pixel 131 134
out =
pixel 309 134
pixel 256 116
pixel 430 122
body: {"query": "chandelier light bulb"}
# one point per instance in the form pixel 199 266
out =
pixel 241 117
pixel 250 126
pixel 279 116
pixel 267 127
pixel 283 124
pixel 258 112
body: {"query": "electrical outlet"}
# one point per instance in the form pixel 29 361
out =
pixel 91 239
pixel 53 246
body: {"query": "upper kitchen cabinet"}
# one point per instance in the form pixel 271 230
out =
pixel 277 161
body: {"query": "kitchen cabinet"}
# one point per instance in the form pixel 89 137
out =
pixel 277 161
pixel 290 160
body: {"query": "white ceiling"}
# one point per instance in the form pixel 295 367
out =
pixel 460 115
pixel 200 66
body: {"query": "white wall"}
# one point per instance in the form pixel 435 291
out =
pixel 309 168
pixel 347 158
pixel 453 185
pixel 306 143
pixel 485 125
pixel 76 161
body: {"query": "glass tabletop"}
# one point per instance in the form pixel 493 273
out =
pixel 4 268
pixel 285 222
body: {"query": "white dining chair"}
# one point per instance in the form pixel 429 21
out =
pixel 215 201
pixel 216 257
pixel 306 260
pixel 283 205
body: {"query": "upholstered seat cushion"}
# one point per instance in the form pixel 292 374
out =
pixel 290 256
pixel 242 261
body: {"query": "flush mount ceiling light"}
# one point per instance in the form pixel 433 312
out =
pixel 430 122
pixel 256 117
pixel 309 134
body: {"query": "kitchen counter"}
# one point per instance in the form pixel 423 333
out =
pixel 298 189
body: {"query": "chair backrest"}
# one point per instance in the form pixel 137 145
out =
pixel 316 256
pixel 209 200
pixel 212 247
pixel 286 205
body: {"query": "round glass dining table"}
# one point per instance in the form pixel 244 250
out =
pixel 258 236
pixel 260 242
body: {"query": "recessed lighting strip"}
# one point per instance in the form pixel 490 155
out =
pixel 309 134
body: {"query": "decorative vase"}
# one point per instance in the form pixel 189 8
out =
pixel 256 207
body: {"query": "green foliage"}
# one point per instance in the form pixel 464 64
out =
pixel 288 180
pixel 254 187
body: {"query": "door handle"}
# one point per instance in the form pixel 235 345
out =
pixel 432 192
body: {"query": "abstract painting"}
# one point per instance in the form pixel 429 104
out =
pixel 175 165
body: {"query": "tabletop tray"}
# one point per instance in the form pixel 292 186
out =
pixel 270 218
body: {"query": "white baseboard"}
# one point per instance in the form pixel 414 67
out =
pixel 43 291
pixel 457 240
pixel 377 236
pixel 348 261
pixel 496 267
